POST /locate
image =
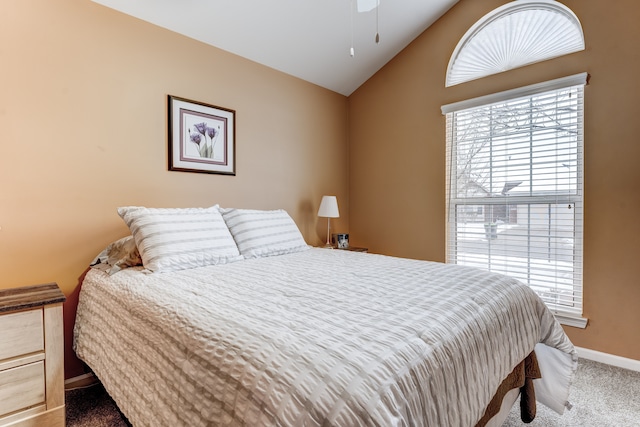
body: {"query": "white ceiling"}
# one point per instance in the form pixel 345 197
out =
pixel 307 39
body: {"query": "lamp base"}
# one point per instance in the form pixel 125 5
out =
pixel 328 245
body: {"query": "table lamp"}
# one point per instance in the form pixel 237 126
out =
pixel 329 209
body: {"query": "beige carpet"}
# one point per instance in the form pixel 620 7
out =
pixel 602 396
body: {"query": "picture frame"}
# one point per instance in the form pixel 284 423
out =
pixel 340 240
pixel 201 137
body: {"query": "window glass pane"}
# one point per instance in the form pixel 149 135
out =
pixel 533 242
pixel 533 141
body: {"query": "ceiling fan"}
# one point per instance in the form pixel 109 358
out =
pixel 364 6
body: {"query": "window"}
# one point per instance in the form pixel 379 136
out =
pixel 516 34
pixel 514 188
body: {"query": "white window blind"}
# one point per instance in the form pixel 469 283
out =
pixel 515 185
pixel 513 35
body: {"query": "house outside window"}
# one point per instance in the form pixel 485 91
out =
pixel 515 188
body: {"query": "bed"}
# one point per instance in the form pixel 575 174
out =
pixel 276 333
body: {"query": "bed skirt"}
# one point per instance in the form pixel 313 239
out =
pixel 521 377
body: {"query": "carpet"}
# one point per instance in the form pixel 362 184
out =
pixel 92 407
pixel 601 395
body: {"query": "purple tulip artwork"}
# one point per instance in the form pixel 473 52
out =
pixel 201 137
pixel 206 147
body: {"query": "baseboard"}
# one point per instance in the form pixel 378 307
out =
pixel 81 381
pixel 609 359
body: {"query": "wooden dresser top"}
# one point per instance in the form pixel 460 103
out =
pixel 30 296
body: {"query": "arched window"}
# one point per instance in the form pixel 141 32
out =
pixel 519 33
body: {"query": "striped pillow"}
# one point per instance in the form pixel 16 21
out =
pixel 177 239
pixel 263 233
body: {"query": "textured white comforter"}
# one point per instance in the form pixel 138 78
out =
pixel 320 337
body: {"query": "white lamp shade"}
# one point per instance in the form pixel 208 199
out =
pixel 329 207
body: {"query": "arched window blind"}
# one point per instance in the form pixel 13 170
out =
pixel 515 186
pixel 519 33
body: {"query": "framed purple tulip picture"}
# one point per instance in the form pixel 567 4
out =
pixel 201 137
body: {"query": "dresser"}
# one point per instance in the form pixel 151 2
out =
pixel 32 357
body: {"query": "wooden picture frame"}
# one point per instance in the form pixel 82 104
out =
pixel 201 137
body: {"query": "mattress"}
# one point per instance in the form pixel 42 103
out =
pixel 318 337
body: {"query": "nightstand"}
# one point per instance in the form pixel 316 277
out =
pixel 354 249
pixel 32 356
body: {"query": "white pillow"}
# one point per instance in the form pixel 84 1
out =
pixel 263 233
pixel 170 239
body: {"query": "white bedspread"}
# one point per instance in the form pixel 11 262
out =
pixel 320 337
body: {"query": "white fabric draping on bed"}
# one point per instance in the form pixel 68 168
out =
pixel 320 337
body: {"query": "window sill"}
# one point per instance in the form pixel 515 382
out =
pixel 568 320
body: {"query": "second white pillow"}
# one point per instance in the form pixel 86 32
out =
pixel 260 233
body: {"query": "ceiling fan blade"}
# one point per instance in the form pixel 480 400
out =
pixel 367 5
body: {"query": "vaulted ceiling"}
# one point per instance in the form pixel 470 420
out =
pixel 307 39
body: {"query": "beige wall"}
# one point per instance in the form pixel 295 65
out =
pixel 83 130
pixel 397 152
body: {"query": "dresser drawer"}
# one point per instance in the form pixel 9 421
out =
pixel 32 356
pixel 21 333
pixel 21 387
